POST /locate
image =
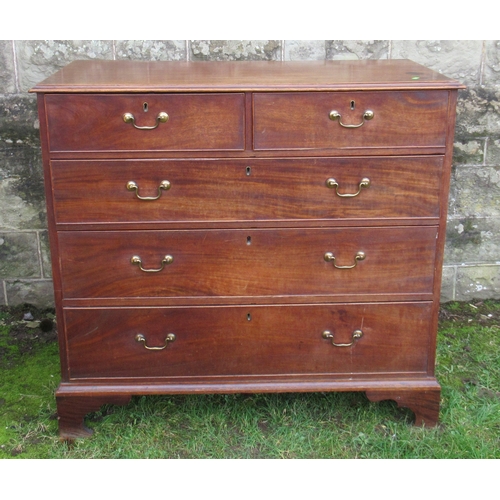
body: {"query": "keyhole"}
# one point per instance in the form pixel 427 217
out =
pixel 249 317
pixel 353 104
pixel 145 107
pixel 248 170
pixel 249 240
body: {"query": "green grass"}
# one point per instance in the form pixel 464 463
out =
pixel 309 426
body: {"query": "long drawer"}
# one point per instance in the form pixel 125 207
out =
pixel 122 122
pixel 243 190
pixel 243 263
pixel 252 340
pixel 347 120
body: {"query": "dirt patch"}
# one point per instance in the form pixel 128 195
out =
pixel 483 312
pixel 23 329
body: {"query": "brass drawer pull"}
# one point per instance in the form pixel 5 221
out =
pixel 132 186
pixel 329 257
pixel 141 338
pixel 168 259
pixel 161 118
pixel 356 334
pixel 367 115
pixel 333 184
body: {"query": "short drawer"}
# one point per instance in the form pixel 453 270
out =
pixel 348 339
pixel 246 190
pixel 136 122
pixel 350 120
pixel 247 263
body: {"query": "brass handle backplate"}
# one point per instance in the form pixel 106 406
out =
pixel 161 118
pixel 132 186
pixel 141 338
pixel 356 334
pixel 333 184
pixel 329 257
pixel 168 259
pixel 367 115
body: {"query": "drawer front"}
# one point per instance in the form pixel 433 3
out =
pixel 253 340
pixel 302 120
pixel 245 263
pixel 244 190
pixel 195 122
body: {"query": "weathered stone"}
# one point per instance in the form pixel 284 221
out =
pixel 19 255
pixel 236 50
pixel 468 151
pixel 492 62
pixel 24 162
pixel 478 111
pixel 21 179
pixel 151 50
pixel 475 192
pixel 459 59
pixel 3 298
pixel 38 59
pixel 45 251
pixel 7 72
pixel 448 284
pixel 22 195
pixel 357 49
pixel 493 151
pixel 305 50
pixel 39 293
pixel 478 282
pixel 19 122
pixel 16 213
pixel 470 240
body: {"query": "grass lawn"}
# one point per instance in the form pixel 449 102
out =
pixel 300 426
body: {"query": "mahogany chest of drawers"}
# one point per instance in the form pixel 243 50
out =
pixel 246 227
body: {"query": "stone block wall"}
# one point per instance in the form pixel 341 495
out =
pixel 472 257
